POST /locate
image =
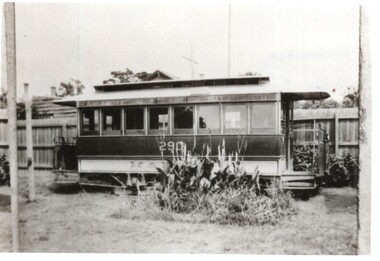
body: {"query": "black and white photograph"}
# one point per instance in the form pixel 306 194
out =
pixel 194 128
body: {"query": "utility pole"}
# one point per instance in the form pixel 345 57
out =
pixel 29 142
pixel 10 38
pixel 365 135
pixel 229 42
pixel 192 62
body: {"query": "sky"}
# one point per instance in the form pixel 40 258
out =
pixel 297 46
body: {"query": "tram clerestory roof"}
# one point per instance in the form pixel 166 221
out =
pixel 221 89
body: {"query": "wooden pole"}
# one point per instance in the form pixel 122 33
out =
pixel 29 142
pixel 365 135
pixel 229 42
pixel 10 38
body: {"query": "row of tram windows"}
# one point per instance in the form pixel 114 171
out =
pixel 239 118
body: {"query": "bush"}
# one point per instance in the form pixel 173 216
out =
pixel 245 207
pixel 343 171
pixel 337 175
pixel 305 158
pixel 353 170
pixel 231 206
pixel 212 190
pixel 4 170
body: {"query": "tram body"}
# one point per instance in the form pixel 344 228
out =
pixel 126 130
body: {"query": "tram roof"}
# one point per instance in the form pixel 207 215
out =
pixel 143 93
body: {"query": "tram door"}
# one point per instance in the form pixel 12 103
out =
pixel 287 130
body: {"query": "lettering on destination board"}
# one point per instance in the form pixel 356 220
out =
pixel 142 165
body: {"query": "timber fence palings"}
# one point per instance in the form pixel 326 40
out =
pixel 45 133
pixel 342 125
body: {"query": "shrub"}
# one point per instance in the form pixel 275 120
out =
pixel 305 158
pixel 337 175
pixel 352 168
pixel 212 190
pixel 245 207
pixel 231 206
pixel 4 170
pixel 342 172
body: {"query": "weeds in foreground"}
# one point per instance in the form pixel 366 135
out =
pixel 228 207
pixel 197 188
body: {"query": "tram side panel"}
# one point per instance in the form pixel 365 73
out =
pixel 137 154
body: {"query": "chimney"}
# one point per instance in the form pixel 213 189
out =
pixel 26 91
pixel 53 91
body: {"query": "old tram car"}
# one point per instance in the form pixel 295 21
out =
pixel 126 130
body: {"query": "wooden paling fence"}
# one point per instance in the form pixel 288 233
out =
pixel 342 125
pixel 45 133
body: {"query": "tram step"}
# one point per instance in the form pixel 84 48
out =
pixel 297 178
pixel 298 184
pixel 298 173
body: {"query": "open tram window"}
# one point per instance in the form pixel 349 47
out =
pixel 263 117
pixel 90 122
pixel 235 118
pixel 159 119
pixel 134 120
pixel 183 119
pixel 111 121
pixel 209 118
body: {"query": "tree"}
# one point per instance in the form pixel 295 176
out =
pixel 21 112
pixel 3 99
pixel 251 74
pixel 319 104
pixel 70 88
pixel 126 76
pixel 351 100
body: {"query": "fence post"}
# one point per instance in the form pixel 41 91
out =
pixel 29 142
pixel 64 132
pixel 336 134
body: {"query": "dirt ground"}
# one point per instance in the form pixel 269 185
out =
pixel 83 222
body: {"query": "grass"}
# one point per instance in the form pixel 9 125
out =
pixel 93 222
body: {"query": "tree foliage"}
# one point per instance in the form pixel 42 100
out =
pixel 319 104
pixel 3 99
pixel 251 74
pixel 21 112
pixel 126 76
pixel 70 88
pixel 351 100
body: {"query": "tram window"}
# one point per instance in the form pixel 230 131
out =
pixel 183 117
pixel 235 118
pixel 159 118
pixel 209 118
pixel 90 122
pixel 111 121
pixel 134 119
pixel 263 117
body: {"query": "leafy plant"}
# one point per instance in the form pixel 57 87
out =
pixel 305 158
pixel 337 175
pixel 217 190
pixel 70 88
pixel 4 170
pixel 352 169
